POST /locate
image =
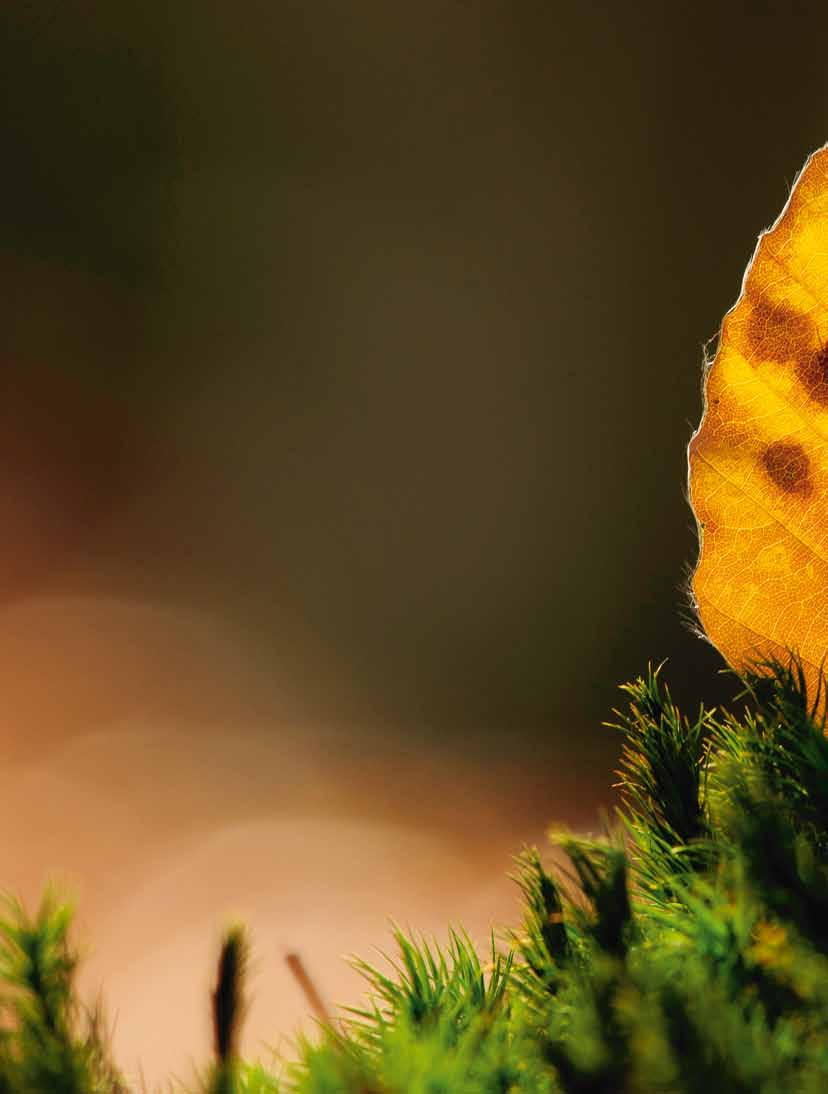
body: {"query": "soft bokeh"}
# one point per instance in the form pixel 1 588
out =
pixel 348 358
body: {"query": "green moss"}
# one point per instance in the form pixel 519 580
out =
pixel 689 955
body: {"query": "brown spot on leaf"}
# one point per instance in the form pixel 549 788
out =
pixel 788 467
pixel 812 371
pixel 775 332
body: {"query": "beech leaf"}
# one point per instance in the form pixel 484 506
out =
pixel 758 463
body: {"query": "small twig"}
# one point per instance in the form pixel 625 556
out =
pixel 300 973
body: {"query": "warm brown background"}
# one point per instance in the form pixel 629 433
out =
pixel 349 353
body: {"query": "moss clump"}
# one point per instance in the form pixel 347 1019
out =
pixel 685 952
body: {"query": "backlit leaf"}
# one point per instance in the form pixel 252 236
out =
pixel 758 463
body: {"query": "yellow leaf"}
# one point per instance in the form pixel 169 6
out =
pixel 758 463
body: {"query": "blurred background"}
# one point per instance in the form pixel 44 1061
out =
pixel 348 357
